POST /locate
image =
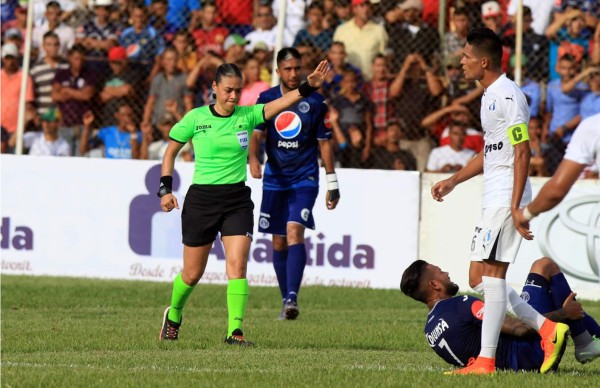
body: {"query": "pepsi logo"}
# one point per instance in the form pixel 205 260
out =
pixel 288 125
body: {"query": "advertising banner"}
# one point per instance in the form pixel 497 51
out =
pixel 569 234
pixel 101 218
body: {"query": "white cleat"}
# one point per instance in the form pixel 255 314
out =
pixel 589 352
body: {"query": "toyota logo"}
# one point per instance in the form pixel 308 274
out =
pixel 576 223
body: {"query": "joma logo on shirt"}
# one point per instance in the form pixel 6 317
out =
pixel 202 128
pixel 437 331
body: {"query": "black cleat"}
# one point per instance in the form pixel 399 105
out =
pixel 237 338
pixel 170 329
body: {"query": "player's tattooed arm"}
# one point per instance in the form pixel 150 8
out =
pixel 516 328
pixel 571 310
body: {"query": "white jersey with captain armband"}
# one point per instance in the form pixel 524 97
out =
pixel 584 147
pixel 504 118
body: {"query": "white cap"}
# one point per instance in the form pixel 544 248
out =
pixel 103 3
pixel 490 9
pixel 10 49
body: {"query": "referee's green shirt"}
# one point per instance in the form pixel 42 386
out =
pixel 220 142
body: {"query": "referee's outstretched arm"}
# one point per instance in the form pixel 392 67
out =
pixel 314 82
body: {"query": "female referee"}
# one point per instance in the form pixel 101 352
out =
pixel 218 199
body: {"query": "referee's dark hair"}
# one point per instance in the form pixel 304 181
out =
pixel 411 281
pixel 227 70
pixel 288 53
pixel 486 43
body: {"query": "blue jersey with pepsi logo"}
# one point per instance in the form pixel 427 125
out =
pixel 292 141
pixel 453 331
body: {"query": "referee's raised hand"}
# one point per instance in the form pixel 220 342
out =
pixel 318 76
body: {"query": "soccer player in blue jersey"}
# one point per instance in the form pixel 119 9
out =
pixel 453 326
pixel 294 139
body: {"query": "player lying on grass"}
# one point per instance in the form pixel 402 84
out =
pixel 453 324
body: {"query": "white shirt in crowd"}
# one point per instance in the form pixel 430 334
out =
pixel 503 105
pixel 294 19
pixel 541 11
pixel 39 146
pixel 441 156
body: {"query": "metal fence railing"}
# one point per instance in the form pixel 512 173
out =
pixel 396 82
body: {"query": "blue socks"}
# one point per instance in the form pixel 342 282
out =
pixel 559 290
pixel 295 269
pixel 280 265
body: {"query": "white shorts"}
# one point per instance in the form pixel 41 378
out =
pixel 495 236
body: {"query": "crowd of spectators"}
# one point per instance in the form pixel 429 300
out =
pixel 109 77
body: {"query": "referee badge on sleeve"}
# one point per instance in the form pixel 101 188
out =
pixel 243 139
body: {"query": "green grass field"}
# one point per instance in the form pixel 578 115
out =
pixel 63 332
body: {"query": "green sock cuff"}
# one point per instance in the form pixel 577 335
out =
pixel 238 286
pixel 181 292
pixel 180 285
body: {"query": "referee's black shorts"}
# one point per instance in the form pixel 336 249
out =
pixel 210 209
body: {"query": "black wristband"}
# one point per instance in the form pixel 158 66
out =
pixel 166 185
pixel 306 90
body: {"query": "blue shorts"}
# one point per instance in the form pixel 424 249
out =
pixel 279 207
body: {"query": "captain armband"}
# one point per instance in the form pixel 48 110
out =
pixel 518 134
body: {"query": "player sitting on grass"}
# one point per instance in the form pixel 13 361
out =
pixel 453 325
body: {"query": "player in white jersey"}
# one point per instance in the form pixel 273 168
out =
pixel 505 166
pixel 583 149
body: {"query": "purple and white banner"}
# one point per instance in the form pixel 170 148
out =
pixel 101 218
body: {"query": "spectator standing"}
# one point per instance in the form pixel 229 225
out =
pixel 158 20
pixel 253 86
pixel 119 88
pixel 362 38
pixel 355 117
pixel 168 85
pixel 295 18
pixel 65 33
pixel 184 45
pixel 418 95
pixel 141 41
pixel 10 78
pixel 411 35
pixel 378 91
pixel 454 41
pixel 73 89
pixel 537 163
pixel 264 29
pixel 43 72
pixel 20 21
pixel 337 61
pixel 121 141
pixel 47 142
pixel 535 46
pixel 568 35
pixel 181 13
pixel 562 110
pixel 451 157
pixel 235 49
pixel 98 35
pixel 391 156
pixel 315 32
pixel 541 12
pixel 209 36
